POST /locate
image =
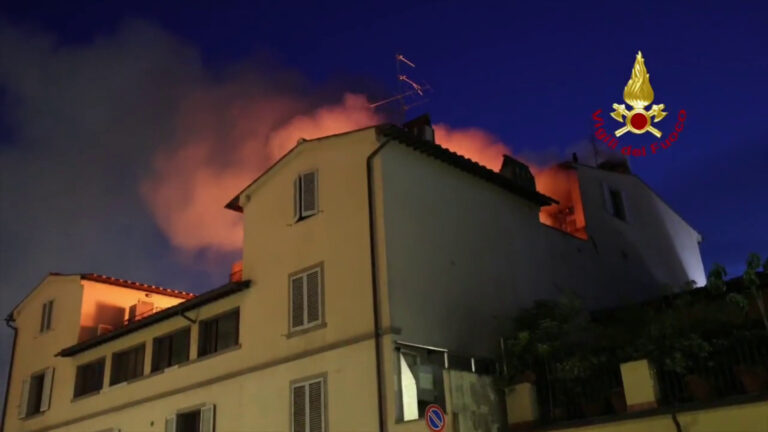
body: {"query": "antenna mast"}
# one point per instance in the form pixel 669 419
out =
pixel 409 91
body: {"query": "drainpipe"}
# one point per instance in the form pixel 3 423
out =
pixel 8 321
pixel 375 286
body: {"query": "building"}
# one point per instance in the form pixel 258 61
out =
pixel 379 272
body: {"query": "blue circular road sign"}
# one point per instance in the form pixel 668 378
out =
pixel 435 418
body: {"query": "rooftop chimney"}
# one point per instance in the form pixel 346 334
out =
pixel 518 172
pixel 236 275
pixel 421 127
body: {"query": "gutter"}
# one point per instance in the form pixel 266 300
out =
pixel 375 286
pixel 8 321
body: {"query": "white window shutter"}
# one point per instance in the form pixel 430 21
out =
pixel 170 424
pixel 313 297
pixel 296 198
pixel 607 202
pixel 299 408
pixel 45 399
pixel 24 396
pixel 309 193
pixel 297 302
pixel 316 415
pixel 207 418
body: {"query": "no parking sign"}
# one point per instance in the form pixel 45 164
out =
pixel 435 418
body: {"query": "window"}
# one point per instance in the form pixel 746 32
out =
pixel 305 195
pixel 218 333
pixel 127 365
pixel 615 202
pixel 89 377
pixel 308 406
pixel 170 350
pixel 192 420
pixel 36 393
pixel 45 320
pixel 420 382
pixel 306 299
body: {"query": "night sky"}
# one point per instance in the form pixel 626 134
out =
pixel 96 101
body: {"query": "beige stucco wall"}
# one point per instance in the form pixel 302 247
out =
pixel 34 350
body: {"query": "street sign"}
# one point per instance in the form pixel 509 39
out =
pixel 435 418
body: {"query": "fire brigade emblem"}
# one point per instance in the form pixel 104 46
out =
pixel 638 93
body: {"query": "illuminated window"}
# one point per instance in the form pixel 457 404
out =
pixel 306 299
pixel 218 333
pixel 36 393
pixel 170 350
pixel 308 406
pixel 127 365
pixel 420 381
pixel 89 377
pixel 305 195
pixel 200 419
pixel 45 320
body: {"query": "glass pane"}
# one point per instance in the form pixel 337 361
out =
pixel 207 343
pixel 180 347
pixel 227 331
pixel 160 353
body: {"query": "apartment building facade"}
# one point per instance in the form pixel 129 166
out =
pixel 379 271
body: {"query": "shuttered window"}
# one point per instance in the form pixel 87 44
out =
pixel 127 365
pixel 305 195
pixel 306 299
pixel 36 393
pixel 308 406
pixel 89 377
pixel 45 319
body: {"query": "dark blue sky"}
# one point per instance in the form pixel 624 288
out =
pixel 529 72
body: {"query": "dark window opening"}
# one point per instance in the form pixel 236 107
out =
pixel 218 333
pixel 45 320
pixel 89 377
pixel 35 398
pixel 188 421
pixel 170 350
pixel 127 365
pixel 305 195
pixel 617 201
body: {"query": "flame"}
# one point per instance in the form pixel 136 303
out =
pixel 638 91
pixel 562 185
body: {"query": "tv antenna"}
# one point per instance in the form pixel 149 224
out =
pixel 409 91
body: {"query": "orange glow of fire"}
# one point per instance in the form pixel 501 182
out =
pixel 563 185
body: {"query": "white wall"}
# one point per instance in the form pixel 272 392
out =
pixel 462 255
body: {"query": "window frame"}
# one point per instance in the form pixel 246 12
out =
pixel 305 382
pixel 43 402
pixel 101 360
pixel 299 214
pixel 610 203
pixel 172 422
pixel 217 317
pixel 423 361
pixel 171 334
pixel 47 317
pixel 141 363
pixel 307 326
